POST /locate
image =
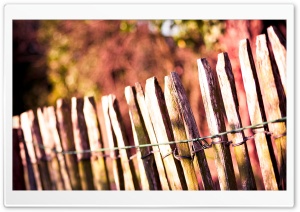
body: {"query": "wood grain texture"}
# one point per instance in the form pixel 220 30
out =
pixel 256 110
pixel 229 96
pixel 48 142
pixel 98 161
pixel 63 111
pixel 141 137
pixel 53 132
pixel 214 112
pixel 278 43
pixel 18 181
pixel 81 140
pixel 271 101
pixel 25 125
pixel 112 142
pixel 130 177
pixel 148 125
pixel 192 131
pixel 184 154
pixel 156 105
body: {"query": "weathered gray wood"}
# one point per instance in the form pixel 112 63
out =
pixel 81 144
pixel 263 143
pixel 131 181
pixel 146 118
pixel 192 131
pixel 25 125
pixel 184 153
pixel 112 141
pixel 271 101
pixel 214 112
pixel 161 123
pixel 48 142
pixel 53 132
pixel 98 160
pixel 229 94
pixel 141 137
pixel 63 111
pixel 279 49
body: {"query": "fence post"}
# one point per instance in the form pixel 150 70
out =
pixel 271 102
pixel 63 111
pixel 229 94
pixel 131 182
pixel 98 160
pixel 192 131
pixel 184 154
pixel 53 164
pixel 161 123
pixel 279 49
pixel 214 109
pixel 263 143
pixel 141 137
pixel 28 141
pixel 53 132
pixel 82 144
pixel 112 142
pixel 146 118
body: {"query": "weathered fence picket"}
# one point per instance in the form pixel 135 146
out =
pixel 192 132
pixel 161 123
pixel 48 142
pixel 184 154
pixel 98 161
pixel 53 132
pixel 271 101
pixel 18 182
pixel 214 109
pixel 63 111
pixel 130 177
pixel 229 95
pixel 141 137
pixel 112 142
pixel 256 110
pixel 149 127
pixel 279 49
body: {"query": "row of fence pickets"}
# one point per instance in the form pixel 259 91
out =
pixel 159 116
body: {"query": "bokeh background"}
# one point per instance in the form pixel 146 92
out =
pixel 60 59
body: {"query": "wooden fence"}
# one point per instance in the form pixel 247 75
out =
pixel 61 147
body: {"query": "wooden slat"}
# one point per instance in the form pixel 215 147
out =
pixel 48 142
pixel 279 49
pixel 25 125
pixel 214 109
pixel 141 137
pixel 229 94
pixel 81 141
pixel 53 132
pixel 192 131
pixel 155 102
pixel 184 154
pixel 146 118
pixel 27 166
pixel 63 111
pixel 98 160
pixel 18 182
pixel 263 143
pixel 131 181
pixel 271 101
pixel 43 162
pixel 112 142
